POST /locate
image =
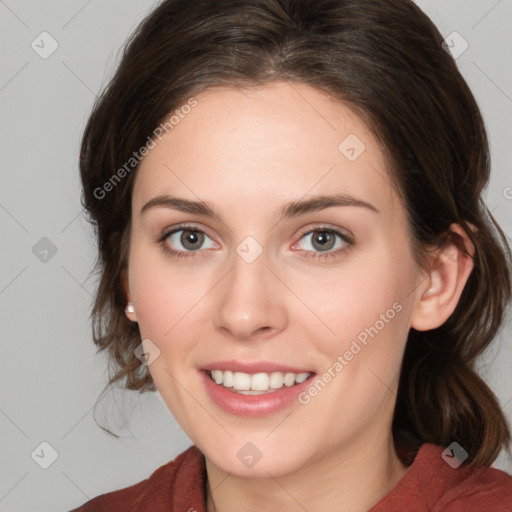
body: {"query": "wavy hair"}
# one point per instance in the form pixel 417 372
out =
pixel 384 59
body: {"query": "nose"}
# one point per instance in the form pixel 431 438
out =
pixel 250 304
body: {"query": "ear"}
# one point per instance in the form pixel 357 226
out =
pixel 124 280
pixel 439 293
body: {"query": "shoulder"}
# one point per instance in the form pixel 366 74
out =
pixel 484 489
pixel 436 482
pixel 163 490
pixel 454 487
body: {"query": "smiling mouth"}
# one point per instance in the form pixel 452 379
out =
pixel 257 383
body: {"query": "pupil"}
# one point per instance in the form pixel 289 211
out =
pixel 190 238
pixel 323 239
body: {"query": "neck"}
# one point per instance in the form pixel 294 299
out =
pixel 348 479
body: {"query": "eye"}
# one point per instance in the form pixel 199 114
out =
pixel 322 242
pixel 324 239
pixel 190 239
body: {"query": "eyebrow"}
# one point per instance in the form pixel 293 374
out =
pixel 292 209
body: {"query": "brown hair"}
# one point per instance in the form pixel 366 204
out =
pixel 384 58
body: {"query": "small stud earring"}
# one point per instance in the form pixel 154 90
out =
pixel 130 308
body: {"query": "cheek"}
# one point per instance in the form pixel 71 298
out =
pixel 367 309
pixel 167 297
pixel 164 291
pixel 367 289
pixel 373 324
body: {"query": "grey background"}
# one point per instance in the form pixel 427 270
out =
pixel 50 374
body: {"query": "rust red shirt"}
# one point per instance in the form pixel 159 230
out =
pixel 430 484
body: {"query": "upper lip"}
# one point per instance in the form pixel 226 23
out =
pixel 252 367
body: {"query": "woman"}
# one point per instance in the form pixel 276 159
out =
pixel 295 253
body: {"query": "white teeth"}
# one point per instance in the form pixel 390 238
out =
pixel 301 377
pixel 276 380
pixel 241 381
pixel 289 379
pixel 259 382
pixel 253 384
pixel 227 379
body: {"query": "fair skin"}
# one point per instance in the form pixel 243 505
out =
pixel 246 153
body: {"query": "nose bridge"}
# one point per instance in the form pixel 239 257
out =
pixel 248 300
pixel 248 275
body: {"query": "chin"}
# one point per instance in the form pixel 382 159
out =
pixel 254 459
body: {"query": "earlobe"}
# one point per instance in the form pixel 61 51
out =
pixel 440 292
pixel 129 310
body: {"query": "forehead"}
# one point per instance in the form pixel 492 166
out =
pixel 279 141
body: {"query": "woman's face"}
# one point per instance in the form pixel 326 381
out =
pixel 278 281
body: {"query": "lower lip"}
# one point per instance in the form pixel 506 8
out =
pixel 252 405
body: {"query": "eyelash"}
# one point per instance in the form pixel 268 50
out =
pixel 348 241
